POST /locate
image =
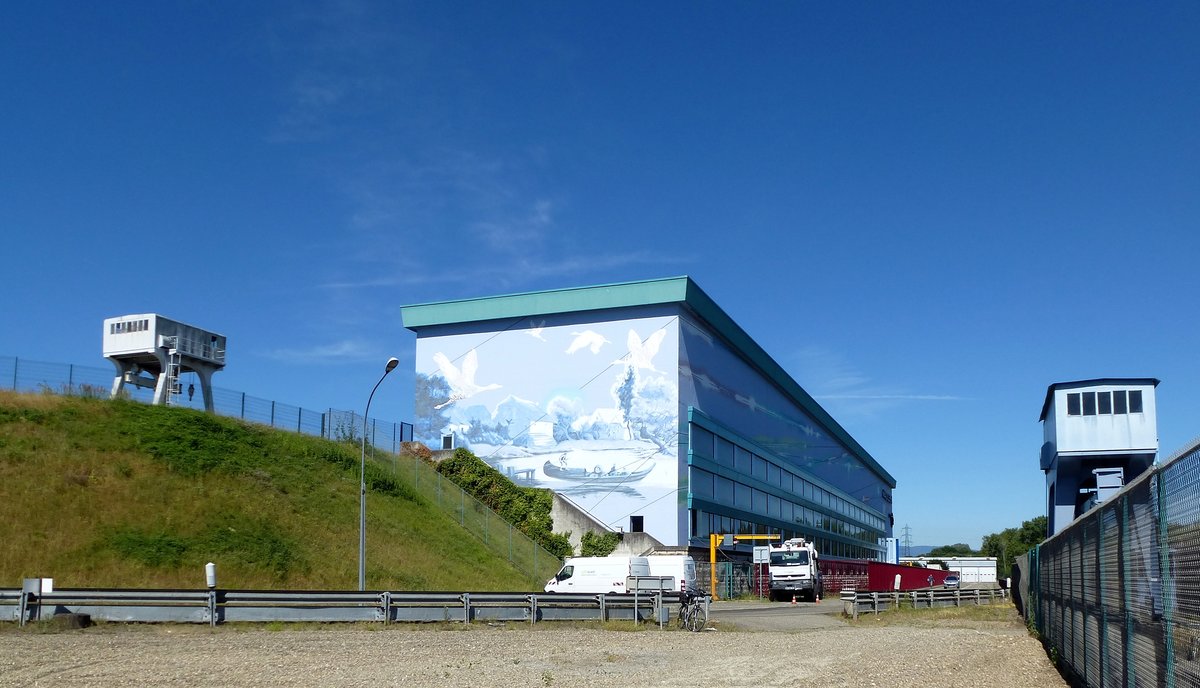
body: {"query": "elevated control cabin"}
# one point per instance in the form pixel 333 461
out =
pixel 152 351
pixel 1098 436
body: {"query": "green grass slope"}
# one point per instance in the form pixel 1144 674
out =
pixel 97 493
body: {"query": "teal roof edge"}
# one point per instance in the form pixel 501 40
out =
pixel 682 290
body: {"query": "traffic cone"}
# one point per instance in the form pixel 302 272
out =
pixel 793 600
pixel 817 597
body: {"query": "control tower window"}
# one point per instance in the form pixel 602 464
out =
pixel 1089 403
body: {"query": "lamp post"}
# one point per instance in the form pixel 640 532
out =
pixel 362 486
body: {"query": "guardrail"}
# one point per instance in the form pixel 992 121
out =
pixel 857 602
pixel 218 606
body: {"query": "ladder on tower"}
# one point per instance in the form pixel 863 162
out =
pixel 174 361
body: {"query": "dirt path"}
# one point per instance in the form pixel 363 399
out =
pixel 981 655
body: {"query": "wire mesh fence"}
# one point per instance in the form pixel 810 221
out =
pixel 526 555
pixel 24 375
pixel 1116 595
pixel 502 538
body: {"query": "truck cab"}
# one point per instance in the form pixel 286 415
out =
pixel 795 570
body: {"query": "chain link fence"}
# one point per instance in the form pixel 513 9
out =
pixel 1116 595
pixel 24 375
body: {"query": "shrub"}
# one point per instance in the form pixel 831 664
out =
pixel 527 508
pixel 598 545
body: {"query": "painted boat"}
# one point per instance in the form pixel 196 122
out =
pixel 595 476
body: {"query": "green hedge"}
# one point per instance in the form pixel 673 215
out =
pixel 527 508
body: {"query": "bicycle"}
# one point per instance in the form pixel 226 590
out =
pixel 693 613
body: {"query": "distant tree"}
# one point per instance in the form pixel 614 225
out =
pixel 1011 543
pixel 956 550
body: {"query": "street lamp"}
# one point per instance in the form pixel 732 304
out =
pixel 362 487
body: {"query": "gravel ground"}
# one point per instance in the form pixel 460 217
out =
pixel 977 654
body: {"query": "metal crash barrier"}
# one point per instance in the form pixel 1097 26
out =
pixel 859 602
pixel 217 606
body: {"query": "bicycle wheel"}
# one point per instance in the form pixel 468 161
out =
pixel 682 619
pixel 697 618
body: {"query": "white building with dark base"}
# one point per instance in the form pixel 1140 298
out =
pixel 1098 436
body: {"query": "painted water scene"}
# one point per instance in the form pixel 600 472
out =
pixel 590 411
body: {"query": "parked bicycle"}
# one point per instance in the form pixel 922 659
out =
pixel 693 612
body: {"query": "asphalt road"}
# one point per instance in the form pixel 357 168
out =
pixel 776 616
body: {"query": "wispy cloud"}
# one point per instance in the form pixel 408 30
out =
pixel 829 377
pixel 900 397
pixel 344 351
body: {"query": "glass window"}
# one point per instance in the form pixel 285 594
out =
pixel 724 452
pixel 1105 402
pixel 759 467
pixel 741 496
pixel 758 501
pixel 772 506
pixel 741 461
pixel 1073 404
pixel 702 442
pixel 1135 401
pixel 1089 403
pixel 773 474
pixel 724 490
pixel 1119 402
pixel 702 483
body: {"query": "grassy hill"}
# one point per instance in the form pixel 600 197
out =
pixel 98 493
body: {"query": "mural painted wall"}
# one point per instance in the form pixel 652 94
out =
pixel 588 409
pixel 719 383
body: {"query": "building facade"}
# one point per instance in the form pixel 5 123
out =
pixel 647 406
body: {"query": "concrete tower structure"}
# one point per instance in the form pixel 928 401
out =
pixel 162 349
pixel 1099 435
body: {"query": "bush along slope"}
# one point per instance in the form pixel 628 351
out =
pixel 527 508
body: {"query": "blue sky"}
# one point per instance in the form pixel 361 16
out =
pixel 926 212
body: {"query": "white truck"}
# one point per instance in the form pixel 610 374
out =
pixel 597 574
pixel 794 570
pixel 680 566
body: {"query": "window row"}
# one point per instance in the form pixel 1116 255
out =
pixel 721 490
pixel 129 326
pixel 704 523
pixel 1104 403
pixel 744 462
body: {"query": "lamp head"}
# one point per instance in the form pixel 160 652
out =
pixel 391 365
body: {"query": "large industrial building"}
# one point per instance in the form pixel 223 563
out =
pixel 650 409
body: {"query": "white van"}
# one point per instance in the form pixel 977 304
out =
pixel 681 566
pixel 597 574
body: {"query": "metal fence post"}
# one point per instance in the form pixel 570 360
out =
pixel 243 416
pixel 1126 594
pixel 70 378
pixel 16 364
pixel 272 414
pixel 1165 582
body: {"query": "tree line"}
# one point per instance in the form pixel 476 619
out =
pixel 1005 546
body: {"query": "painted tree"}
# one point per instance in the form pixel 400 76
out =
pixel 428 420
pixel 624 392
